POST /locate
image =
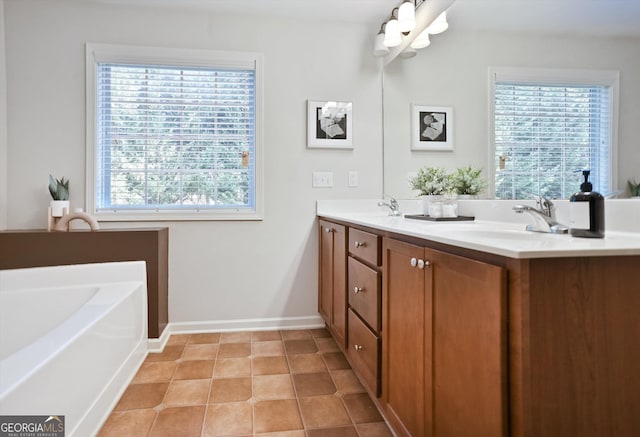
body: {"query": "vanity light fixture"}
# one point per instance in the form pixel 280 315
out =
pixel 422 40
pixel 409 26
pixel 407 17
pixel 439 25
pixel 379 49
pixel 392 35
pixel 407 53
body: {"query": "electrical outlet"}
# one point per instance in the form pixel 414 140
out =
pixel 353 178
pixel 322 179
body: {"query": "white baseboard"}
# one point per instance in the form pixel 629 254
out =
pixel 272 324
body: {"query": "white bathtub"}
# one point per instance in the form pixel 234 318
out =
pixel 71 339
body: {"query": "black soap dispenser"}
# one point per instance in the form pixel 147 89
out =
pixel 587 211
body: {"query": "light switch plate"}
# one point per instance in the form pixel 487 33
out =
pixel 353 178
pixel 322 179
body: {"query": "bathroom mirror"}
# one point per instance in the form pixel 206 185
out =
pixel 453 72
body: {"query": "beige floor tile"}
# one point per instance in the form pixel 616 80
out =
pixel 228 419
pixel 343 431
pixel 232 368
pixel 180 421
pixel 377 429
pixel 188 392
pixel 323 412
pixel 322 332
pixel 273 387
pixel 278 415
pixel 170 353
pixel 307 363
pixel 336 360
pixel 159 371
pixel 269 366
pixel 235 337
pixel 313 384
pixel 204 338
pixel 361 408
pixel 296 335
pixel 128 423
pixel 230 390
pixel 178 339
pixel 200 352
pixel 267 348
pixel 299 433
pixel 300 347
pixel 234 350
pixel 194 369
pixel 266 336
pixel 138 396
pixel 347 381
pixel 327 345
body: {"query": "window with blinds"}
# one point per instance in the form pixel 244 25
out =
pixel 545 134
pixel 175 139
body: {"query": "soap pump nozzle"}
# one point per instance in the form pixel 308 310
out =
pixel 586 186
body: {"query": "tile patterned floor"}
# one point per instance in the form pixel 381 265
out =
pixel 272 383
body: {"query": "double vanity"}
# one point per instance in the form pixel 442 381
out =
pixel 481 328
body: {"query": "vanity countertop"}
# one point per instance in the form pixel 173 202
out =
pixel 497 237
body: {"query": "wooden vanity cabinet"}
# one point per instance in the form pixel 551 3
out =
pixel 444 347
pixel 332 296
pixel 365 300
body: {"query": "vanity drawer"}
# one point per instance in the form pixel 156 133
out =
pixel 364 352
pixel 365 246
pixel 364 292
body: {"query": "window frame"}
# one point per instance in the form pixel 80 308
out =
pixel 112 53
pixel 556 76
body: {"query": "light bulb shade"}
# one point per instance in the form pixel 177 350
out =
pixel 379 49
pixel 407 53
pixel 439 25
pixel 392 36
pixel 421 40
pixel 406 17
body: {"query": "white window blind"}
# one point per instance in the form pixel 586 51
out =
pixel 174 140
pixel 545 134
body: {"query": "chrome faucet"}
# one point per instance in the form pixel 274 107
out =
pixel 394 207
pixel 544 216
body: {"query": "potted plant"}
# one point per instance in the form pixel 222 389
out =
pixel 59 190
pixel 634 187
pixel 467 183
pixel 433 183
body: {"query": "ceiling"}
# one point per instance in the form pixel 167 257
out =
pixel 599 17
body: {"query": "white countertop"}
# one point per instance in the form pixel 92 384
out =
pixel 497 237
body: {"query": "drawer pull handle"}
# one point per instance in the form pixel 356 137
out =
pixel 360 244
pixel 357 347
pixel 357 290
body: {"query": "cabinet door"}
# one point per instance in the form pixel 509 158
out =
pixel 406 328
pixel 332 297
pixel 469 347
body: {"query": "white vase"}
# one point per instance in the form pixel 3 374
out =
pixel 432 205
pixel 467 196
pixel 58 207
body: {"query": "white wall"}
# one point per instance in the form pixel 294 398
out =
pixel 3 125
pixel 218 270
pixel 453 71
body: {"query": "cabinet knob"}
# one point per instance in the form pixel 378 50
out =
pixel 422 264
pixel 360 244
pixel 414 262
pixel 357 290
pixel 328 230
pixel 357 347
